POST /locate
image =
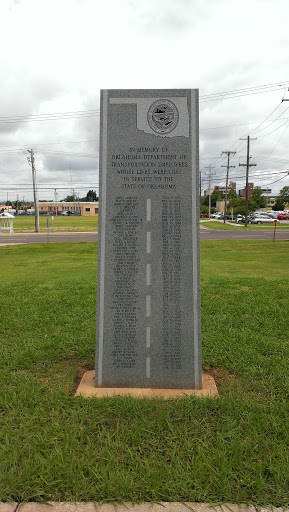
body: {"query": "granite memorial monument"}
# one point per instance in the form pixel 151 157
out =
pixel 148 293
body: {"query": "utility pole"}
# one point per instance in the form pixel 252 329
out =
pixel 73 200
pixel 32 162
pixel 210 180
pixel 247 165
pixel 55 195
pixel 228 153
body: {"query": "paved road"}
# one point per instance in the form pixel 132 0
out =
pixel 32 238
pixel 206 234
pixel 218 234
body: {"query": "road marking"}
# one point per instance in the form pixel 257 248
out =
pixel 148 367
pixel 148 337
pixel 148 274
pixel 148 282
pixel 148 242
pixel 149 210
pixel 148 305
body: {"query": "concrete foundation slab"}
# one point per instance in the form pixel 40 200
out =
pixel 87 389
pixel 53 506
pixel 8 507
pixel 164 506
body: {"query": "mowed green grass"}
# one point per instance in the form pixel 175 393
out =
pixel 54 446
pixel 26 223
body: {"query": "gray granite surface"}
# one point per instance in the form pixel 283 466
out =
pixel 148 303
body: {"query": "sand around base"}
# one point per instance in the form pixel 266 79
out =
pixel 87 389
pixel 53 506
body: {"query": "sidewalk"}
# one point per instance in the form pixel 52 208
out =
pixel 54 506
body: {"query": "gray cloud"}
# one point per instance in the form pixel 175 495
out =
pixel 63 163
pixel 21 97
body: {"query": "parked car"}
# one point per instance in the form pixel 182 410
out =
pixel 260 219
pixel 283 216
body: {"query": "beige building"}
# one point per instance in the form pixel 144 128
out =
pixel 64 208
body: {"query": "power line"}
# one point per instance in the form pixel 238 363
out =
pixel 48 143
pixel 237 95
pixel 241 143
pixel 96 112
pixel 260 173
pixel 57 184
pixel 266 134
pixel 276 181
pixel 256 176
pixel 57 153
pixel 271 122
pixel 279 84
pixel 241 124
pixel 47 188
pixel 47 117
pixel 274 146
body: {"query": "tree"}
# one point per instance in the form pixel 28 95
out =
pixel 279 205
pixel 215 196
pixel 284 194
pixel 70 199
pixel 204 209
pixel 232 194
pixel 233 199
pixel 237 204
pixel 91 196
pixel 257 200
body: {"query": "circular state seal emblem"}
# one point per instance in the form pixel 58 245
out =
pixel 163 116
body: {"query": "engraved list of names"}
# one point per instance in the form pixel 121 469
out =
pixel 148 289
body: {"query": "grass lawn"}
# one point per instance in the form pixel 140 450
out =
pixel 221 225
pixel 26 223
pixel 229 449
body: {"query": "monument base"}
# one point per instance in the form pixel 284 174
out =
pixel 87 389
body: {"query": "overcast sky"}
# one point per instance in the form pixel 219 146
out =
pixel 56 55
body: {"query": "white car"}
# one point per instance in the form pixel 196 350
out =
pixel 261 219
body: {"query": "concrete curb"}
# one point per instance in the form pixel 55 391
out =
pixel 54 506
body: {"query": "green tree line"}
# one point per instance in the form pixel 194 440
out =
pixel 237 204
